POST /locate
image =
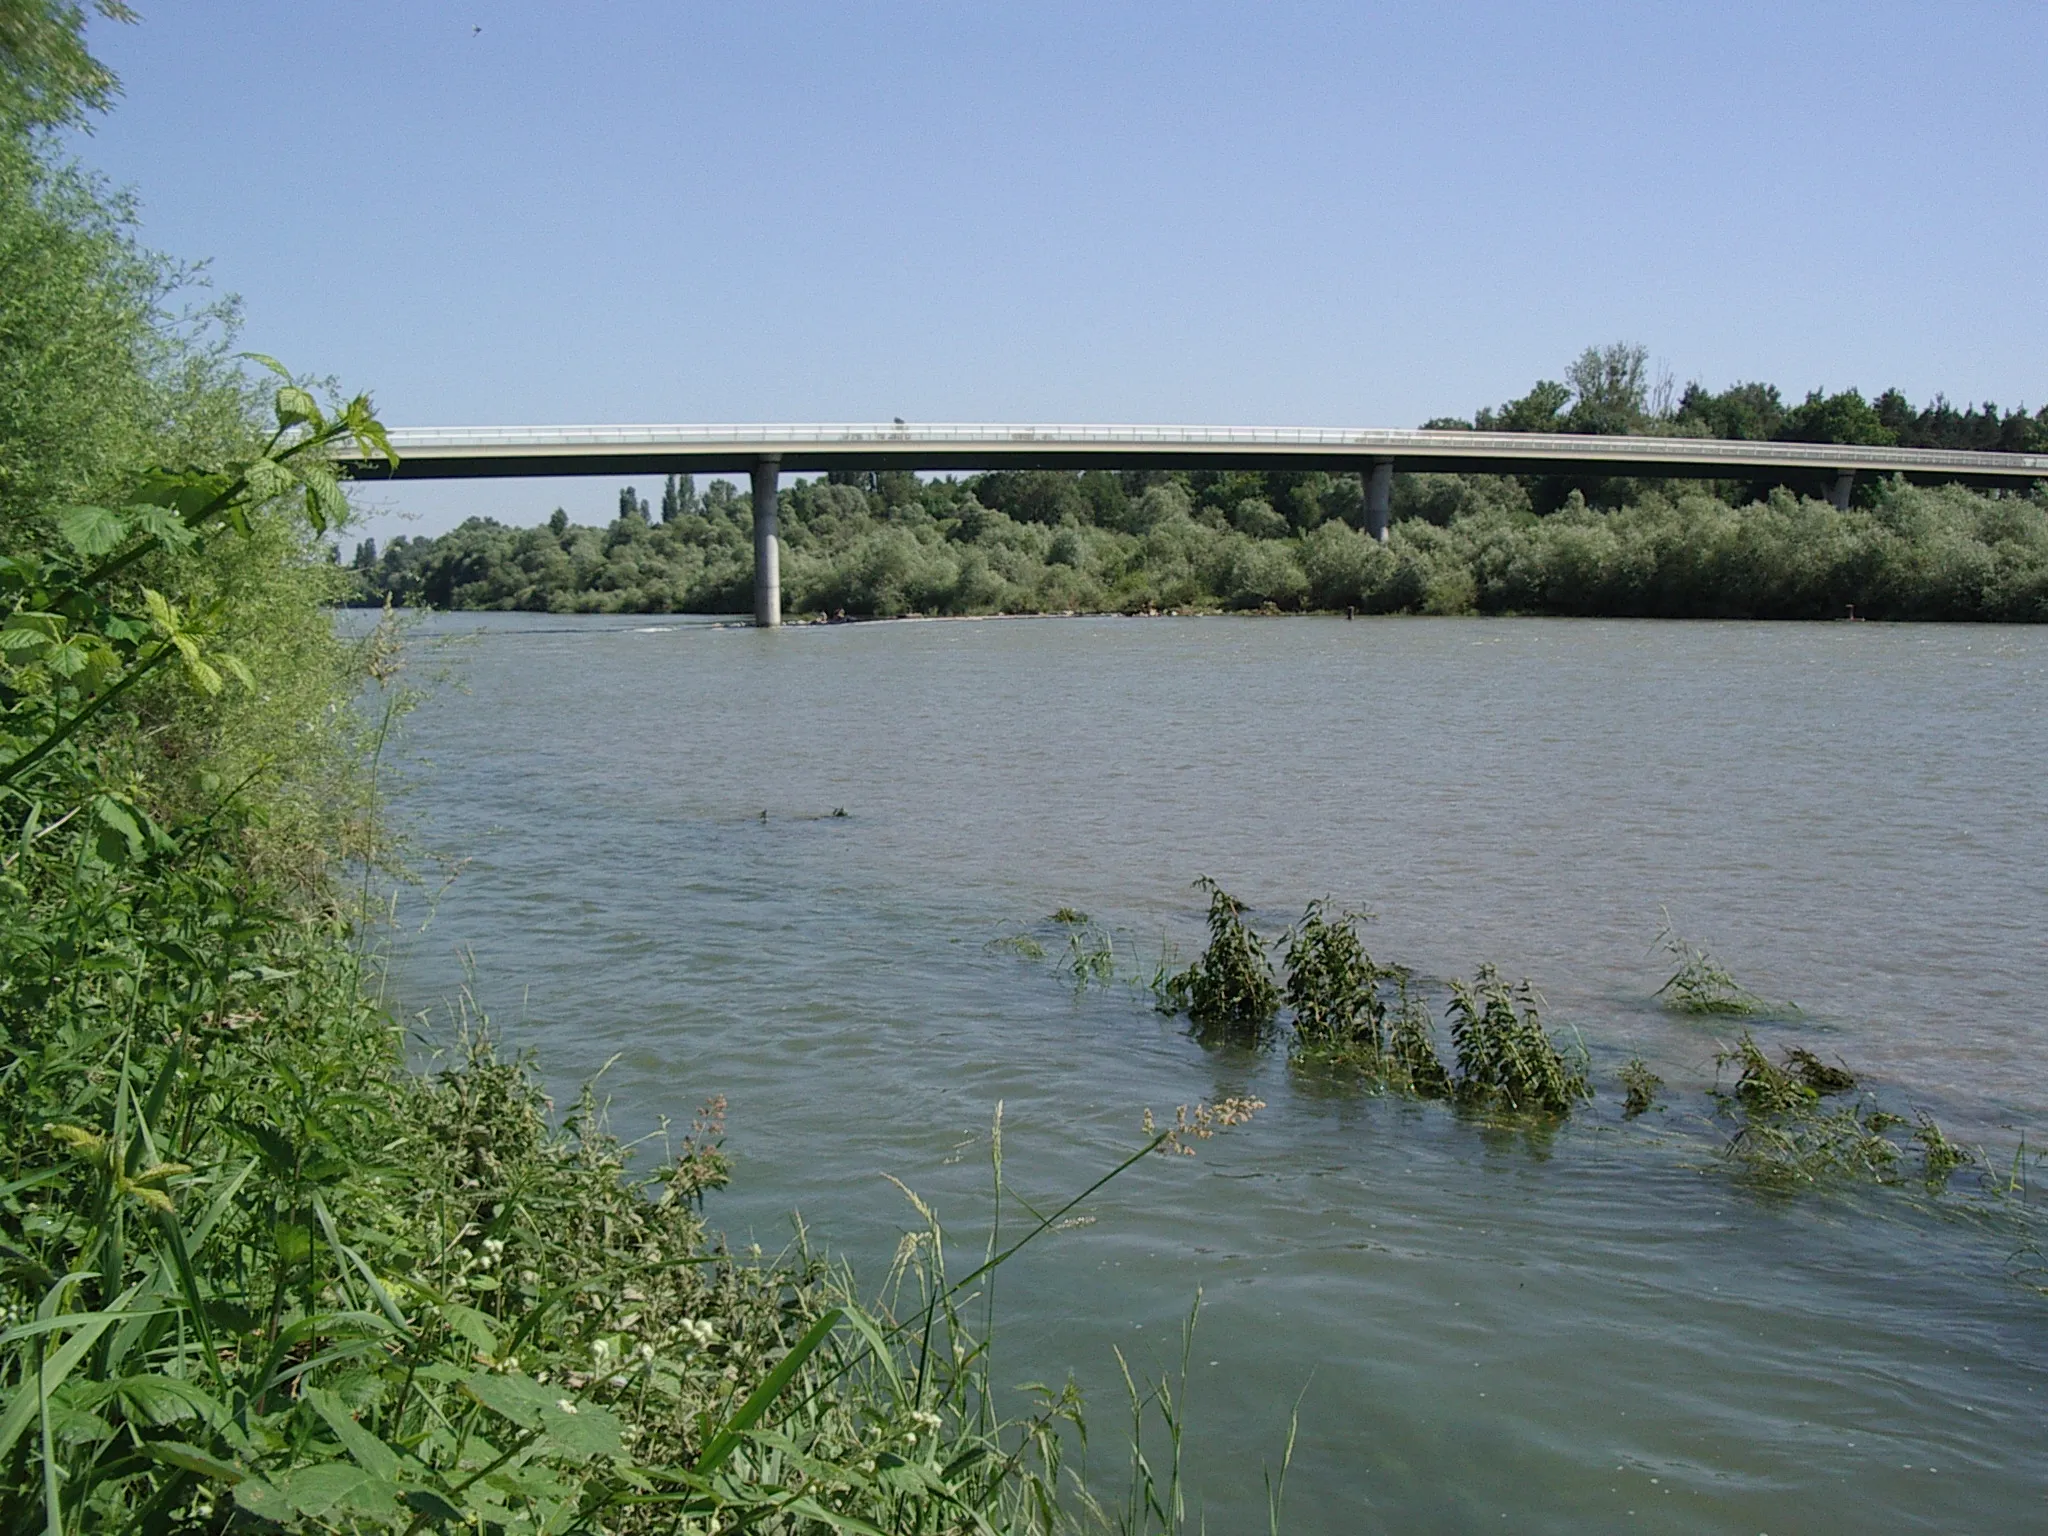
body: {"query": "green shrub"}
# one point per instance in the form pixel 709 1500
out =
pixel 1333 988
pixel 1229 991
pixel 1506 1060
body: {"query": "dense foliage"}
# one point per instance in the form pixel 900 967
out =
pixel 1459 544
pixel 1047 542
pixel 255 1273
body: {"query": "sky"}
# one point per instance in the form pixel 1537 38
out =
pixel 512 213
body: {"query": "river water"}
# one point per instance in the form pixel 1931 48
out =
pixel 1604 1330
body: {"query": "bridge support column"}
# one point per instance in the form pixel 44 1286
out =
pixel 1845 487
pixel 1379 497
pixel 767 544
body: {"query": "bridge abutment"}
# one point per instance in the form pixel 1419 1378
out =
pixel 1379 497
pixel 767 543
pixel 1845 487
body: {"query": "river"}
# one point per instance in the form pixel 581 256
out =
pixel 1601 1330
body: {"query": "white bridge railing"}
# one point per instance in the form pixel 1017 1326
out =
pixel 476 449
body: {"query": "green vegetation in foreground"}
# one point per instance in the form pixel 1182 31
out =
pixel 255 1274
pixel 881 545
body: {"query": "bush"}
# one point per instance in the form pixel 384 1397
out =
pixel 1229 991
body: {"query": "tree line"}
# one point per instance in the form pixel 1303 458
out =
pixel 1035 541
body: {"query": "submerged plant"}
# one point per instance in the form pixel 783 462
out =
pixel 1817 1074
pixel 1411 1063
pixel 1229 990
pixel 1806 1148
pixel 1016 944
pixel 1785 1137
pixel 1333 986
pixel 1091 953
pixel 1640 1085
pixel 1940 1156
pixel 1701 984
pixel 1762 1087
pixel 1506 1060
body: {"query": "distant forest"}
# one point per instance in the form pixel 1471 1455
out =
pixel 1037 541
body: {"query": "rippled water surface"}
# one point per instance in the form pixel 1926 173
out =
pixel 1602 1331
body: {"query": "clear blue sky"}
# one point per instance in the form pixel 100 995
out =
pixel 1284 213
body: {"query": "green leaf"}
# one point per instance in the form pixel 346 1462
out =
pixel 471 1325
pixel 269 362
pixel 161 613
pixel 163 1400
pixel 116 838
pixel 336 1486
pixel 513 1395
pixel 203 676
pixel 266 478
pixel 26 1400
pixel 176 1453
pixel 44 626
pixel 424 1501
pixel 360 418
pixel 762 1397
pixel 295 407
pixel 581 1430
pixel 325 504
pixel 370 1453
pixel 187 492
pixel 68 659
pixel 91 530
pixel 164 525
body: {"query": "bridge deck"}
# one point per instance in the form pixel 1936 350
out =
pixel 432 453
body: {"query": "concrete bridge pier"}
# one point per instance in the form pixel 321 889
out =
pixel 1845 487
pixel 1379 497
pixel 767 543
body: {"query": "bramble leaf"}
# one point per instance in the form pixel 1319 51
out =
pixel 91 530
pixel 296 407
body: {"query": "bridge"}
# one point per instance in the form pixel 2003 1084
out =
pixel 767 452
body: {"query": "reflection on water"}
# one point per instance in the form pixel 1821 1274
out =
pixel 1490 1334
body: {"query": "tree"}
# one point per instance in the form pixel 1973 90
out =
pixel 678 497
pixel 1745 412
pixel 1541 410
pixel 632 506
pixel 47 77
pixel 1843 418
pixel 558 522
pixel 1610 389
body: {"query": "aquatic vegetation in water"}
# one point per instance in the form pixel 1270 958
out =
pixel 1090 959
pixel 1786 1137
pixel 1818 1075
pixel 1229 990
pixel 1333 986
pixel 1068 916
pixel 1940 1156
pixel 1016 944
pixel 1411 1063
pixel 1762 1087
pixel 1701 984
pixel 1640 1086
pixel 1506 1059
